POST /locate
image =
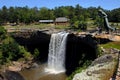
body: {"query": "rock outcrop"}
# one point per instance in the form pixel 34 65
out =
pixel 102 68
pixel 10 75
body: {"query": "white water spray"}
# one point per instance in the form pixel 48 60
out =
pixel 57 50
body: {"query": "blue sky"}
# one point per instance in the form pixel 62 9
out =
pixel 106 4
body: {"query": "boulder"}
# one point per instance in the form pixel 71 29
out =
pixel 101 69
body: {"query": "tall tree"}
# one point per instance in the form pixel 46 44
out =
pixel 34 14
pixel 115 15
pixel 44 13
pixel 13 16
pixel 58 12
pixel 4 14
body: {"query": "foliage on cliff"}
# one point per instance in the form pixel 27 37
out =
pixel 79 69
pixel 10 50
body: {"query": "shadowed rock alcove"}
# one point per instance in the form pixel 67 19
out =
pixel 79 49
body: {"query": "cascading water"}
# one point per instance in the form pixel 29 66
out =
pixel 57 50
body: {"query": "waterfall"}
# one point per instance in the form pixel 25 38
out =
pixel 57 50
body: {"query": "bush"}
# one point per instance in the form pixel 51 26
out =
pixel 24 53
pixel 1 57
pixel 36 53
pixel 2 30
pixel 9 50
pixel 2 33
pixel 82 25
pixel 99 52
pixel 27 55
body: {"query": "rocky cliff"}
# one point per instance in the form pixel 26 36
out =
pixel 102 68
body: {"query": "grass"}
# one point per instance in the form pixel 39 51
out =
pixel 61 27
pixel 90 26
pixel 31 26
pixel 111 45
pixel 115 24
pixel 35 26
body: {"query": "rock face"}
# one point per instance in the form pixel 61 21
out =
pixel 37 40
pixel 79 48
pixel 76 47
pixel 109 36
pixel 101 69
pixel 10 75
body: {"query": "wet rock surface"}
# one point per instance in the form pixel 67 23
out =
pixel 12 72
pixel 10 75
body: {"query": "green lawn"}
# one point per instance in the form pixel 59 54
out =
pixel 36 26
pixel 31 26
pixel 111 45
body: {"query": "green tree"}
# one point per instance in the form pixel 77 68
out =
pixel 99 22
pixel 71 12
pixel 34 14
pixel 1 57
pixel 13 15
pixel 78 10
pixel 2 33
pixel 24 53
pixel 4 14
pixel 58 12
pixel 10 49
pixel 115 15
pixel 44 13
pixel 23 14
pixel 93 11
pixel 1 20
pixel 82 25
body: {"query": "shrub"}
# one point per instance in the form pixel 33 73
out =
pixel 9 50
pixel 1 56
pixel 2 33
pixel 99 51
pixel 36 53
pixel 82 25
pixel 24 53
pixel 2 30
pixel 27 55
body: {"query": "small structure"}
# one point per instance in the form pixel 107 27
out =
pixel 46 21
pixel 61 21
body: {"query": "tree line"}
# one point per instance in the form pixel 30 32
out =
pixel 30 15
